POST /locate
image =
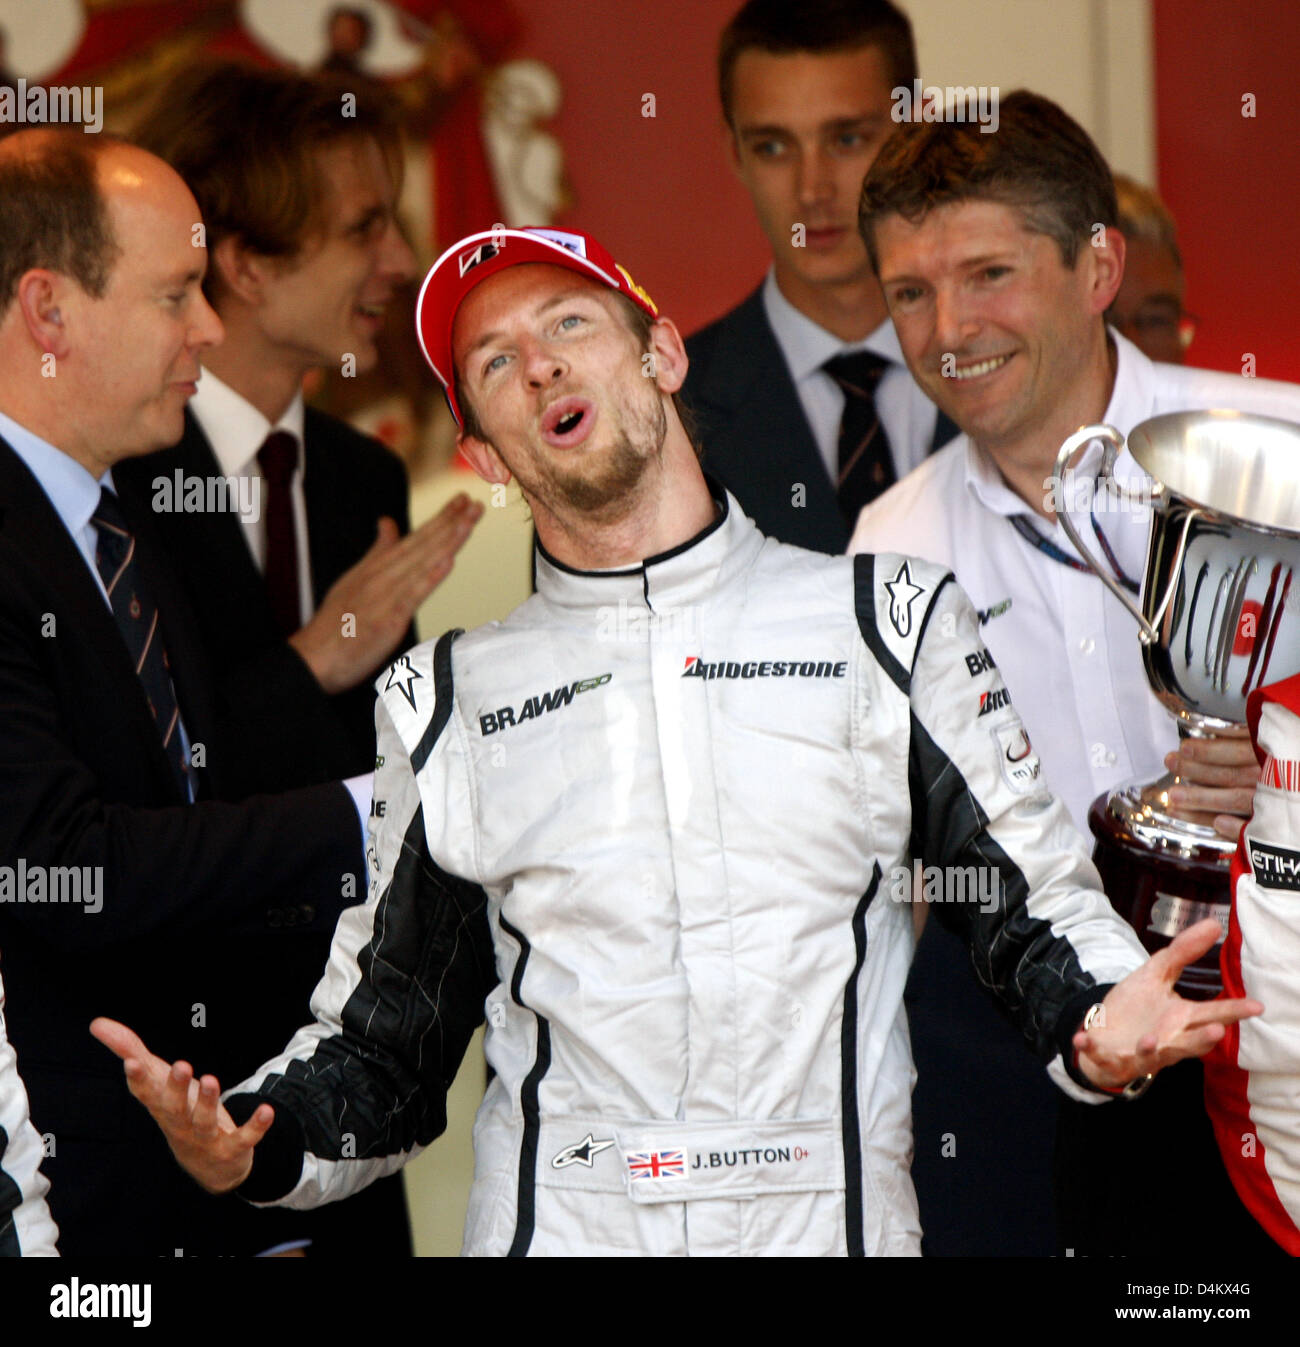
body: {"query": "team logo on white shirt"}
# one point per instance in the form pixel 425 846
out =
pixel 986 615
pixel 903 593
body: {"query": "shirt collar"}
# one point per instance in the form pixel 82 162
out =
pixel 685 574
pixel 1130 404
pixel 1132 401
pixel 71 489
pixel 235 429
pixel 807 346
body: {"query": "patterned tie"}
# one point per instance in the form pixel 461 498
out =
pixel 137 620
pixel 279 457
pixel 866 467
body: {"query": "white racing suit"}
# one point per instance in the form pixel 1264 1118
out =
pixel 26 1228
pixel 662 822
pixel 1252 1078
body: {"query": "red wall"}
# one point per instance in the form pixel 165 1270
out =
pixel 657 191
pixel 660 193
pixel 1232 182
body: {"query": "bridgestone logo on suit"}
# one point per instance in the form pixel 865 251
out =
pixel 993 701
pixel 697 668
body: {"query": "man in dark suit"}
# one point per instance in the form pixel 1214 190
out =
pixel 297 637
pixel 298 622
pixel 128 872
pixel 803 404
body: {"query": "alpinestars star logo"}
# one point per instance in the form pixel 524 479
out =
pixel 402 677
pixel 583 1152
pixel 903 593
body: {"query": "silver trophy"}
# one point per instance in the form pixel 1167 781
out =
pixel 1219 616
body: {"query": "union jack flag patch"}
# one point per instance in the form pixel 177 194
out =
pixel 656 1164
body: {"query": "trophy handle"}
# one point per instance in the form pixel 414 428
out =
pixel 1114 442
pixel 1176 569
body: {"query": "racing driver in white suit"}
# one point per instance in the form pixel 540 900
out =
pixel 656 825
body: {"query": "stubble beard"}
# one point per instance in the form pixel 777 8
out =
pixel 610 489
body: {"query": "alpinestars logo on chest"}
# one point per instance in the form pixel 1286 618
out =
pixel 903 593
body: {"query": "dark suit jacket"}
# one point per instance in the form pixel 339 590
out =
pixel 754 432
pixel 192 895
pixel 276 728
pixel 755 436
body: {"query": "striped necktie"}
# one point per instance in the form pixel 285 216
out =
pixel 137 620
pixel 866 466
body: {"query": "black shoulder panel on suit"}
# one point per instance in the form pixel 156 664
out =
pixel 443 690
pixel 864 605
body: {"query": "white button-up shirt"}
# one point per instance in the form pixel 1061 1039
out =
pixel 236 430
pixel 1066 646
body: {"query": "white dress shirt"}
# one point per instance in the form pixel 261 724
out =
pixel 70 488
pixel 1067 648
pixel 907 415
pixel 236 430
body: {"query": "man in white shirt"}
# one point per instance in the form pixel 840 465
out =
pixel 997 283
pixel 806 91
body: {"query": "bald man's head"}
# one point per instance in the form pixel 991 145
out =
pixel 103 322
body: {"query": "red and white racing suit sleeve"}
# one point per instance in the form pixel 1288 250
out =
pixel 1252 1079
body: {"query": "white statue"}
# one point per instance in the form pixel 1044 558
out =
pixel 527 164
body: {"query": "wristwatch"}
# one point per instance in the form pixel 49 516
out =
pixel 1135 1089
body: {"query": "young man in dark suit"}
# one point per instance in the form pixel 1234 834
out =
pixel 804 406
pixel 302 605
pixel 297 197
pixel 130 869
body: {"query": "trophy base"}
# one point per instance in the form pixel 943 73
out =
pixel 1163 874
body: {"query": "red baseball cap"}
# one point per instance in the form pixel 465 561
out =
pixel 478 256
